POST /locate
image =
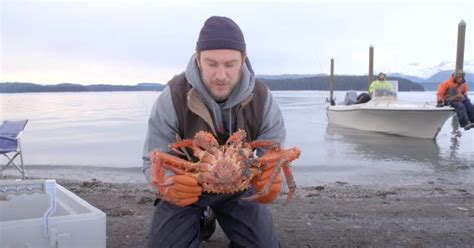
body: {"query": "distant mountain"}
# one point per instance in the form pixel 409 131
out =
pixel 16 87
pixel 424 72
pixel 401 75
pixel 287 76
pixel 431 76
pixel 359 83
pixel 432 82
pixel 443 75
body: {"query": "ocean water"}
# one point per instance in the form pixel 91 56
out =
pixel 105 131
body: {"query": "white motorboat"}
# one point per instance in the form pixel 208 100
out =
pixel 386 115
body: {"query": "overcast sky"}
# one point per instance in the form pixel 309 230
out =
pixel 128 42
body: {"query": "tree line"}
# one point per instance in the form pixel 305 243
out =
pixel 342 83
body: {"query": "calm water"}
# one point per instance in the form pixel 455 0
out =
pixel 107 129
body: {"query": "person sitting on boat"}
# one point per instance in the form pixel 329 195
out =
pixel 453 92
pixel 380 86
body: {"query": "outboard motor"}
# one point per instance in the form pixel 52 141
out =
pixel 363 97
pixel 350 98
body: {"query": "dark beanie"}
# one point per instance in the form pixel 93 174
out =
pixel 220 32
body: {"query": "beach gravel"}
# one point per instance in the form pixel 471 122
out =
pixel 433 214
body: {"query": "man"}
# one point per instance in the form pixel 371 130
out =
pixel 217 93
pixel 453 92
pixel 380 85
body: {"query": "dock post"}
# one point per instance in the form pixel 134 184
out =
pixel 460 47
pixel 331 84
pixel 371 64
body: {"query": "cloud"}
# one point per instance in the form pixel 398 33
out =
pixel 154 40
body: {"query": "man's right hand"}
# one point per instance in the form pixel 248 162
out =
pixel 180 190
pixel 439 104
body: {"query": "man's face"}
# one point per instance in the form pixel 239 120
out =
pixel 381 77
pixel 459 79
pixel 220 71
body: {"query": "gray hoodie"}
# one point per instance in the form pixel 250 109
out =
pixel 163 122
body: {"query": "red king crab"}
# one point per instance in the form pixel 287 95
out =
pixel 228 168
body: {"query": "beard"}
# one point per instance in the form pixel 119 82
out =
pixel 221 94
pixel 220 90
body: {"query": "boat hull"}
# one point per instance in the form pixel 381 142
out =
pixel 420 121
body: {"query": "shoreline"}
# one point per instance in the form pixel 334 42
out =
pixel 321 175
pixel 82 173
pixel 433 214
pixel 339 214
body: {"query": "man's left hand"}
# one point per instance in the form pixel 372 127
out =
pixel 260 182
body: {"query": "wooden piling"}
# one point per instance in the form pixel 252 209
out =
pixel 331 84
pixel 371 64
pixel 460 47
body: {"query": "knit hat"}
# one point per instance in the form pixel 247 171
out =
pixel 220 32
pixel 458 73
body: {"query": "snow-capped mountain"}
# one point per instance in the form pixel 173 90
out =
pixel 417 72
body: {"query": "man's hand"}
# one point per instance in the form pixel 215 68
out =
pixel 180 190
pixel 260 182
pixel 440 104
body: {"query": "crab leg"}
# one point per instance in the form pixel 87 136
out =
pixel 290 181
pixel 172 160
pixel 282 159
pixel 162 161
pixel 236 137
pixel 158 178
pixel 266 188
pixel 181 144
pixel 264 143
pixel 272 156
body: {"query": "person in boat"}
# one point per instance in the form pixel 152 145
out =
pixel 380 86
pixel 217 93
pixel 453 92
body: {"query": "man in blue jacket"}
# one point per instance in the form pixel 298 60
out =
pixel 217 93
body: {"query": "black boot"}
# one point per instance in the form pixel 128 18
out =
pixel 208 224
pixel 469 126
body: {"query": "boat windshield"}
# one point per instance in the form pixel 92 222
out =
pixel 388 92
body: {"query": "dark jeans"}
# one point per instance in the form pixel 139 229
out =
pixel 245 223
pixel 464 110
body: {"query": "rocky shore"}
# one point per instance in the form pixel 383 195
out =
pixel 338 215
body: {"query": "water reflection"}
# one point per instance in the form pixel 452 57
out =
pixel 454 141
pixel 455 159
pixel 378 146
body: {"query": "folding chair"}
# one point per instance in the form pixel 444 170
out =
pixel 10 133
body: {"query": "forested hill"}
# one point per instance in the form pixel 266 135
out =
pixel 359 83
pixel 320 82
pixel 30 87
